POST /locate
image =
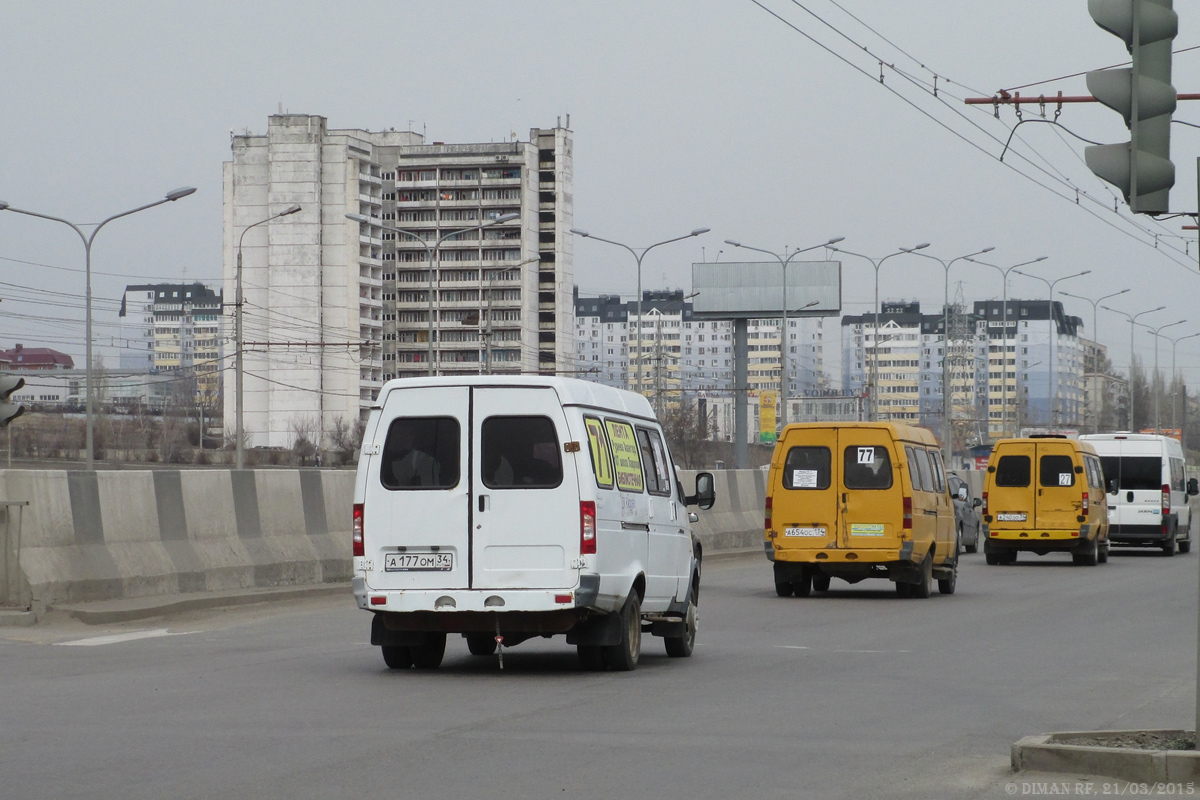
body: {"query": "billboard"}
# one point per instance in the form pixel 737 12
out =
pixel 766 416
pixel 734 290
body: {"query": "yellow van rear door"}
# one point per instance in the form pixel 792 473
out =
pixel 804 511
pixel 1059 488
pixel 872 508
pixel 1011 497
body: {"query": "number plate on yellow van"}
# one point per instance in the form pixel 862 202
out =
pixel 1011 517
pixel 803 531
pixel 418 562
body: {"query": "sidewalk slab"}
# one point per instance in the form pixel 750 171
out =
pixel 104 612
pixel 1050 752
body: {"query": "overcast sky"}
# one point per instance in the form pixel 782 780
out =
pixel 686 113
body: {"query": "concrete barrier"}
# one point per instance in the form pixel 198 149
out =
pixel 735 522
pixel 124 533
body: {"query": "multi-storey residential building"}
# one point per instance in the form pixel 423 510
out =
pixel 334 306
pixel 175 328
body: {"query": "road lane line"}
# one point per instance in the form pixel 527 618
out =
pixel 117 638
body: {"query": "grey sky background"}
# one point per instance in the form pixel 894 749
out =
pixel 686 113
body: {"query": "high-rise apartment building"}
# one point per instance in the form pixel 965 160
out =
pixel 334 307
pixel 175 328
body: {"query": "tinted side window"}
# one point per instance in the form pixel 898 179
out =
pixel 866 467
pixel 1135 473
pixel 1013 471
pixel 520 453
pixel 421 453
pixel 1056 471
pixel 807 468
pixel 925 469
pixel 654 461
pixel 1178 483
pixel 939 473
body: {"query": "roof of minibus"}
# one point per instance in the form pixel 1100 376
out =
pixel 897 430
pixel 1147 444
pixel 571 391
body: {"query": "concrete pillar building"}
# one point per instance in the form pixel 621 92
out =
pixel 333 307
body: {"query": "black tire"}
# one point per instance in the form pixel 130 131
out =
pixel 973 545
pixel 923 588
pixel 624 656
pixel 820 583
pixel 1102 553
pixel 802 586
pixel 992 559
pixel 591 657
pixel 682 646
pixel 1089 556
pixel 1168 547
pixel 903 589
pixel 783 580
pixel 481 644
pixel 1010 557
pixel 1185 547
pixel 396 657
pixel 783 589
pixel 429 655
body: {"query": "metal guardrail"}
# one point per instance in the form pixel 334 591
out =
pixel 10 555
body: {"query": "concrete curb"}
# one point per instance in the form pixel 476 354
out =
pixel 1048 752
pixel 106 612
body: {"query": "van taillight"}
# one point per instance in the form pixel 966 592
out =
pixel 767 514
pixel 357 540
pixel 1085 502
pixel 984 507
pixel 907 513
pixel 1166 501
pixel 587 527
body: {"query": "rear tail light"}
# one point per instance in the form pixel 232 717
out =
pixel 587 527
pixel 984 507
pixel 357 540
pixel 907 513
pixel 767 512
pixel 1085 502
pixel 1166 499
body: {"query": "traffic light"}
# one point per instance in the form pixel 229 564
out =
pixel 1143 94
pixel 9 411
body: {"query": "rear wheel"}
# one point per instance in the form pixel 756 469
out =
pixel 682 646
pixel 429 655
pixel 1168 547
pixel 924 587
pixel 992 559
pixel 1102 553
pixel 973 545
pixel 1185 546
pixel 1089 556
pixel 624 655
pixel 396 657
pixel 783 581
pixel 802 586
pixel 481 644
pixel 820 583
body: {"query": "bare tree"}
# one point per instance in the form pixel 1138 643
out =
pixel 306 431
pixel 346 438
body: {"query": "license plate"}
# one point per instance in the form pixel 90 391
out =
pixel 803 531
pixel 418 562
pixel 1010 517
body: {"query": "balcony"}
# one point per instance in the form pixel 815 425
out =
pixel 370 200
pixel 369 260
pixel 368 240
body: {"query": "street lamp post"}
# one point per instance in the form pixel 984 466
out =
pixel 1154 378
pixel 877 263
pixel 639 254
pixel 1096 360
pixel 238 356
pixel 1004 340
pixel 430 255
pixel 783 263
pixel 1129 383
pixel 946 430
pixel 1174 418
pixel 1052 387
pixel 87 251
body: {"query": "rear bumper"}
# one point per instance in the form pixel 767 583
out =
pixel 447 601
pixel 1041 540
pixel 1139 535
pixel 909 553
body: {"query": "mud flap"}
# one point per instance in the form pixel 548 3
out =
pixel 602 630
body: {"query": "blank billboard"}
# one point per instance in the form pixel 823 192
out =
pixel 737 289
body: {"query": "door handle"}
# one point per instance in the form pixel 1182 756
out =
pixel 483 502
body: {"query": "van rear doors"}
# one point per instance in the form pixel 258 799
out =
pixel 1011 501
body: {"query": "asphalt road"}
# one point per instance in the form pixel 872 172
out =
pixel 854 694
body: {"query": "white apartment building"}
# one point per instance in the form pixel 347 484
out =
pixel 175 328
pixel 334 307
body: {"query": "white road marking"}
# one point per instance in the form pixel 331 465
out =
pixel 117 638
pixel 792 647
pixel 801 647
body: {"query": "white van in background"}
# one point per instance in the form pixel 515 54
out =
pixel 1151 505
pixel 507 508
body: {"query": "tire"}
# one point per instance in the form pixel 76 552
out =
pixel 1168 547
pixel 783 584
pixel 1089 557
pixel 802 586
pixel 992 559
pixel 820 583
pixel 924 587
pixel 1010 557
pixel 429 655
pixel 624 656
pixel 1185 547
pixel 1102 553
pixel 947 585
pixel 481 644
pixel 591 657
pixel 681 647
pixel 973 545
pixel 396 657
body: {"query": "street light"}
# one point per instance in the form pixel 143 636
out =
pixel 1096 333
pixel 946 430
pixel 238 363
pixel 1004 340
pixel 1052 387
pixel 1129 383
pixel 783 263
pixel 1154 379
pixel 430 253
pixel 1174 419
pixel 639 256
pixel 877 263
pixel 87 251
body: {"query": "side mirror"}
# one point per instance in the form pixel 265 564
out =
pixel 976 503
pixel 1193 487
pixel 1113 486
pixel 706 492
pixel 693 517
pixel 962 493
